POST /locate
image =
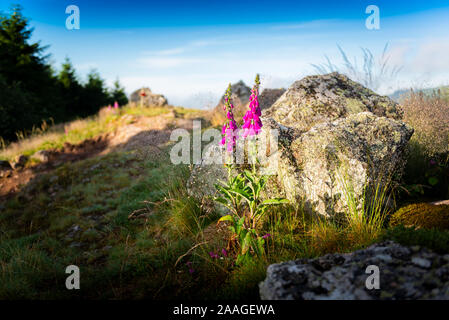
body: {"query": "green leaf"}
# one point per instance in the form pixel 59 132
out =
pixel 240 224
pixel 226 218
pixel 246 243
pixel 274 201
pixel 242 193
pixel 433 181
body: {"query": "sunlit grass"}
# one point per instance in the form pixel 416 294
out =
pixel 106 121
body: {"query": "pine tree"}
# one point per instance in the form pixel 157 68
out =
pixel 71 90
pixel 118 94
pixel 29 91
pixel 94 94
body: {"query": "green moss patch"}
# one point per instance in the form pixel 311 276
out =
pixel 422 215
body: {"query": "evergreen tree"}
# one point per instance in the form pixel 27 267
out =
pixel 29 91
pixel 71 89
pixel 118 94
pixel 94 94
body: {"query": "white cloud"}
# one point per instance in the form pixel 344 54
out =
pixel 164 63
pixel 432 56
pixel 167 52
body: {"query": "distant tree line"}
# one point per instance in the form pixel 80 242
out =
pixel 31 91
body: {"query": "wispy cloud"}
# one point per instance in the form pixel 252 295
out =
pixel 167 52
pixel 315 24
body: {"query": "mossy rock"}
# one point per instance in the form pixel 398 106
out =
pixel 422 215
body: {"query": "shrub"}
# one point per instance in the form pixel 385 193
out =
pixel 422 215
pixel 427 169
pixel 429 116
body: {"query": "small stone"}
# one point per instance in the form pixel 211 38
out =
pixel 41 155
pixel 420 262
pixel 20 162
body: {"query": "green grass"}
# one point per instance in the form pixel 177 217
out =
pixel 141 233
pixel 432 239
pixel 77 131
pixel 145 256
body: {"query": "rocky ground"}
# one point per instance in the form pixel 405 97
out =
pixel 404 273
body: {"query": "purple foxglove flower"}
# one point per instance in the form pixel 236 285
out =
pixel 252 123
pixel 266 236
pixel 224 252
pixel 229 129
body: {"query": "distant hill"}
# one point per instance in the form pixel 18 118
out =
pixel 402 93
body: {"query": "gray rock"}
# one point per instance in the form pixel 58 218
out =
pixel 269 96
pixel 343 276
pixel 41 155
pixel 340 136
pixel 151 99
pixel 421 262
pixel 240 99
pixel 320 167
pixel 240 96
pixel 322 98
pixel 20 161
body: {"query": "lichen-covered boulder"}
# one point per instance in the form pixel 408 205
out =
pixel 422 215
pixel 320 98
pixel 340 138
pixel 322 167
pixel 344 157
pixel 404 273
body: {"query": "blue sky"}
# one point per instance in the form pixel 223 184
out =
pixel 190 50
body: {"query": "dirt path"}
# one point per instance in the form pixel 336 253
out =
pixel 144 133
